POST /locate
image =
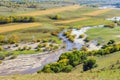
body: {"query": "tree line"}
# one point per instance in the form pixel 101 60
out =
pixel 16 19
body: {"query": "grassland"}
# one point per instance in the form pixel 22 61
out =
pixel 98 12
pixel 103 62
pixel 18 26
pixel 103 35
pixel 51 11
pixel 71 21
pixel 39 32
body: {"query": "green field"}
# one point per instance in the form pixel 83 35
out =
pixel 103 35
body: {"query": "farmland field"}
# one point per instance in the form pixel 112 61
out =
pixel 51 11
pixel 95 13
pixel 70 21
pixel 18 26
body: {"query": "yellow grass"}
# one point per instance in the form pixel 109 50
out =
pixel 51 11
pixel 95 13
pixel 18 26
pixel 70 21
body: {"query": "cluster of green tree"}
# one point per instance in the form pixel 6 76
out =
pixel 69 60
pixel 12 39
pixel 66 62
pixel 14 19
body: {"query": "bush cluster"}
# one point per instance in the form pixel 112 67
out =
pixel 89 64
pixel 66 62
pixel 14 19
pixel 12 39
pixel 69 60
pixel 69 36
pixel 56 17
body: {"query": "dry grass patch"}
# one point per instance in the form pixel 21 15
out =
pixel 98 12
pixel 70 21
pixel 51 11
pixel 18 26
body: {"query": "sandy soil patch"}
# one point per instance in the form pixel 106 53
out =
pixel 70 21
pixel 18 26
pixel 95 13
pixel 51 11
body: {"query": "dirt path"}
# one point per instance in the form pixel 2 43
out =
pixel 95 13
pixel 18 26
pixel 70 21
pixel 51 11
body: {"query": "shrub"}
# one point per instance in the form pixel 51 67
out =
pixel 111 42
pixel 2 56
pixel 13 57
pixel 2 38
pixel 82 36
pixel 40 45
pixel 29 48
pixel 89 64
pixel 16 45
pixel 55 47
pixel 84 48
pixel 1 48
pixel 13 39
pixel 0 61
pixel 55 33
pixel 47 69
pixel 68 68
pixel 87 39
pixel 56 17
pixel 40 50
pixel 110 25
pixel 25 48
pixel 38 40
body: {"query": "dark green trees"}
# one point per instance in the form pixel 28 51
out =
pixel 89 64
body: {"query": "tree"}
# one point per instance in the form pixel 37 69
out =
pixel 89 64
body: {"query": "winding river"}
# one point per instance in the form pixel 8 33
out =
pixel 27 64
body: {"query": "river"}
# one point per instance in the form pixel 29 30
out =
pixel 28 64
